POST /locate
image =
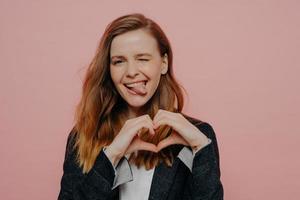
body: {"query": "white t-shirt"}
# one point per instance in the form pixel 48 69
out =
pixel 139 187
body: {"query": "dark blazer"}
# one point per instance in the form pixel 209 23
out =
pixel 168 183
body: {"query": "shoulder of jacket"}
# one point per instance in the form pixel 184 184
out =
pixel 202 125
pixel 71 140
pixel 193 120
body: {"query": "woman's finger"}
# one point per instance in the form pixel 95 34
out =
pixel 138 144
pixel 129 131
pixel 170 140
pixel 142 145
pixel 150 124
pixel 143 121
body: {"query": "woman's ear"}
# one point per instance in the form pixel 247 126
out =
pixel 164 64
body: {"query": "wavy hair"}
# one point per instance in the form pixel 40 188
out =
pixel 101 112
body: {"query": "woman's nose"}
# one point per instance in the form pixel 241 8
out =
pixel 132 69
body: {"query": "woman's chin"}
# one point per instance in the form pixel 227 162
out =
pixel 136 104
pixel 136 101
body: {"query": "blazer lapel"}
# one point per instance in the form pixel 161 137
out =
pixel 162 180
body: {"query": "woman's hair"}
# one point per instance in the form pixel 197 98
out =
pixel 102 112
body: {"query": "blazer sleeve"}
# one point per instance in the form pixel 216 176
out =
pixel 205 182
pixel 76 185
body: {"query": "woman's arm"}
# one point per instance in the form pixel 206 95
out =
pixel 96 184
pixel 205 181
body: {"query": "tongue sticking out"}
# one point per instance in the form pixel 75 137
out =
pixel 139 89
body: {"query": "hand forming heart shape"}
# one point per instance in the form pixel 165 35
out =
pixel 128 141
pixel 185 133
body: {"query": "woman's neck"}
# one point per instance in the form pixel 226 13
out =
pixel 134 112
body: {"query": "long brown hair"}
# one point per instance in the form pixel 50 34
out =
pixel 101 111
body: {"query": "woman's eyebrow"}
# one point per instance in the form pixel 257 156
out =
pixel 143 54
pixel 137 55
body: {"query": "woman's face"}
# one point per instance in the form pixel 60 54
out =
pixel 136 67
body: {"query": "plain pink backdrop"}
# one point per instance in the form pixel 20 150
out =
pixel 238 60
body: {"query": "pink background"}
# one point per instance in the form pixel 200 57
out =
pixel 238 60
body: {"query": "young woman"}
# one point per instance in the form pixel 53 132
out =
pixel 130 139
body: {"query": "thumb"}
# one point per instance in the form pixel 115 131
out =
pixel 170 140
pixel 142 145
pixel 138 144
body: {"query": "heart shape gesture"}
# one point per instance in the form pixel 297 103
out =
pixel 128 141
pixel 185 133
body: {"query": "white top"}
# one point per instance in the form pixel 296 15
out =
pixel 139 187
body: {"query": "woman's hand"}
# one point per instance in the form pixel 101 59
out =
pixel 186 133
pixel 128 141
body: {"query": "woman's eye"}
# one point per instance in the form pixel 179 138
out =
pixel 143 59
pixel 116 62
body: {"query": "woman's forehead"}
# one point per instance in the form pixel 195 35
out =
pixel 133 43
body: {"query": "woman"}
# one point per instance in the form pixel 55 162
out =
pixel 130 139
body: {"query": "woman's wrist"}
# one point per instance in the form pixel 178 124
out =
pixel 112 156
pixel 196 148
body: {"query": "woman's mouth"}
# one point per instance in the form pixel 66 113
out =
pixel 137 88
